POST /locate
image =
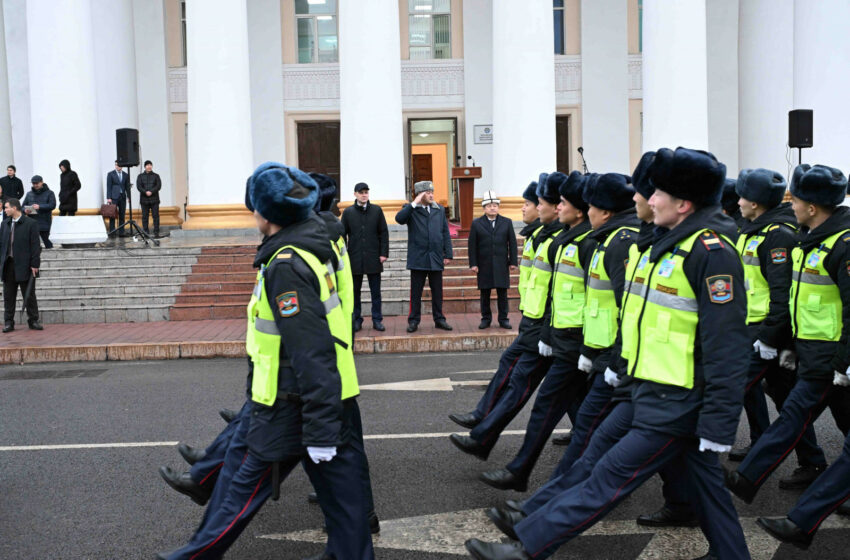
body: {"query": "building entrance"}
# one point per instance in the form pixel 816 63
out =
pixel 318 150
pixel 433 152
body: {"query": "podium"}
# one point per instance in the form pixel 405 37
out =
pixel 466 177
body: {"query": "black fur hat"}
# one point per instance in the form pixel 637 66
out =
pixel 573 190
pixel 763 186
pixel 610 191
pixel 530 193
pixel 688 174
pixel 819 184
pixel 730 196
pixel 546 190
pixel 640 176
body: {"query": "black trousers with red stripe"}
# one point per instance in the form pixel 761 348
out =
pixel 830 490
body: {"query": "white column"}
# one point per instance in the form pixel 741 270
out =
pixel 115 72
pixel 220 151
pixel 523 93
pixel 17 69
pixel 63 95
pixel 478 87
pixel 605 84
pixel 266 66
pixel 675 85
pixel 371 130
pixel 821 80
pixel 766 82
pixel 6 146
pixel 152 94
pixel 722 65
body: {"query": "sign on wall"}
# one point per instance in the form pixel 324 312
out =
pixel 483 133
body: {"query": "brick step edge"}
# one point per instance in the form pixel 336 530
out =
pixel 468 342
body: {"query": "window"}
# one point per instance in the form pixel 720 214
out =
pixel 316 31
pixel 183 27
pixel 560 29
pixel 640 27
pixel 430 30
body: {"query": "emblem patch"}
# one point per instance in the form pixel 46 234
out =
pixel 642 262
pixel 287 304
pixel 571 251
pixel 720 288
pixel 665 269
pixel 779 255
pixel 812 261
pixel 752 244
pixel 711 241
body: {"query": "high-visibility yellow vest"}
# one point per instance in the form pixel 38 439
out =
pixel 600 308
pixel 636 258
pixel 758 290
pixel 525 264
pixel 568 286
pixel 537 285
pixel 816 307
pixel 344 281
pixel 263 339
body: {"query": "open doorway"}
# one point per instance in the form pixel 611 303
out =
pixel 433 153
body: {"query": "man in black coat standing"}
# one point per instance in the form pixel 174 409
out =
pixel 11 185
pixel 39 203
pixel 429 249
pixel 493 256
pixel 69 184
pixel 20 250
pixel 149 185
pixel 117 185
pixel 368 243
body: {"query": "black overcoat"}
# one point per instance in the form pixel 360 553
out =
pixel 492 250
pixel 367 238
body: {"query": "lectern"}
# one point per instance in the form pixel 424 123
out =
pixel 466 177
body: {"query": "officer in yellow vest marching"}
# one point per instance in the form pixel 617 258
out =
pixel 820 315
pixel 303 379
pixel 684 334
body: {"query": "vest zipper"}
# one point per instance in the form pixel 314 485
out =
pixel 640 317
pixel 795 328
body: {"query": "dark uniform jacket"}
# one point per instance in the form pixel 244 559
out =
pixel 148 182
pixel 428 238
pixel 712 409
pixel 46 201
pixel 529 228
pixel 774 255
pixel 26 248
pixel 818 360
pixel 117 187
pixel 69 184
pixel 492 249
pixel 307 352
pixel 368 238
pixel 12 187
pixel 531 330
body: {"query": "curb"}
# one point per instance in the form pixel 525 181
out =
pixel 236 348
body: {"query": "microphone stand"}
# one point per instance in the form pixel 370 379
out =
pixel 583 161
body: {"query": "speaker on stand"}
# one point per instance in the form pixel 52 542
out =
pixel 129 155
pixel 800 130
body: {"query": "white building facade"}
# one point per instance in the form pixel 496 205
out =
pixel 389 92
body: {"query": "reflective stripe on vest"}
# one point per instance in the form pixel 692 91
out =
pixel 758 290
pixel 538 282
pixel 600 309
pixel 344 282
pixel 263 339
pixel 568 286
pixel 816 307
pixel 525 265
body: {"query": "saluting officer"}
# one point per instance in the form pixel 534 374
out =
pixel 684 333
pixel 820 312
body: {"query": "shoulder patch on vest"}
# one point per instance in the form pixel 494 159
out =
pixel 773 227
pixel 720 288
pixel 287 304
pixel 285 256
pixel 779 255
pixel 711 241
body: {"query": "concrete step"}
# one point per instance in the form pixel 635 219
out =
pixel 119 263
pixel 107 281
pixel 77 254
pixel 126 314
pixel 105 272
pixel 107 301
pixel 118 290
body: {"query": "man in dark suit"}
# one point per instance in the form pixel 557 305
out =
pixel 117 186
pixel 492 250
pixel 20 250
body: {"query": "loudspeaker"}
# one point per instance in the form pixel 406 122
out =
pixel 800 130
pixel 127 144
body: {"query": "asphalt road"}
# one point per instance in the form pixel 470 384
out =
pixel 105 503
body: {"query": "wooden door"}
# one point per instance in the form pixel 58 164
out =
pixel 423 169
pixel 562 142
pixel 318 149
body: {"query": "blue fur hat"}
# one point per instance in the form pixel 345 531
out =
pixel 572 190
pixel 610 191
pixel 763 186
pixel 546 190
pixel 640 176
pixel 281 194
pixel 327 191
pixel 530 193
pixel 819 184
pixel 688 174
pixel 248 204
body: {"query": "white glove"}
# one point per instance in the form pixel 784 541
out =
pixel 611 377
pixel 766 352
pixel 788 359
pixel 319 454
pixel 544 349
pixel 841 379
pixel 584 364
pixel 706 445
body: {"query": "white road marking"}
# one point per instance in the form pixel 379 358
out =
pixel 447 434
pixel 88 446
pixel 476 371
pixel 437 384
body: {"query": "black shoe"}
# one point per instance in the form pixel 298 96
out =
pixel 378 326
pixel 505 520
pixel 412 327
pixel 801 478
pixel 312 498
pixel 843 509
pixel 228 415
pixel 36 326
pixel 515 505
pixel 165 555
pixel 9 327
pixel 481 550
pixel 468 421
pixel 505 325
pixel 503 479
pixel 666 517
pixel 739 485
pixel 190 454
pixel 739 453
pixel 563 440
pixel 470 446
pixel 184 484
pixel 484 324
pixel 442 325
pixel 358 327
pixel 786 531
pixel 374 523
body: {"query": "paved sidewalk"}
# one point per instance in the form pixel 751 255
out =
pixel 165 340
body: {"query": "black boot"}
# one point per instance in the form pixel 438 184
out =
pixel 505 324
pixel 378 326
pixel 374 523
pixel 515 505
pixel 801 478
pixel 312 498
pixel 190 454
pixel 8 327
pixel 412 327
pixel 786 531
pixel 227 415
pixel 563 440
pixel 503 479
pixel 36 326
pixel 843 509
pixel 666 517
pixel 740 486
pixel 481 550
pixel 739 453
pixel 470 446
pixel 441 324
pixel 468 421
pixel 184 484
pixel 505 520
pixel 484 324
